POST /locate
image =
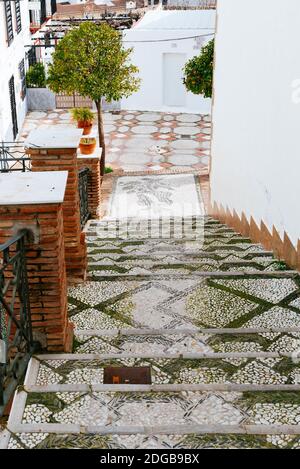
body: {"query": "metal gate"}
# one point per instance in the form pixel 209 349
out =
pixel 16 340
pixel 83 183
pixel 13 157
pixel 65 101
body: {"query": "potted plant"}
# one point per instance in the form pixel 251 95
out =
pixel 87 145
pixel 84 118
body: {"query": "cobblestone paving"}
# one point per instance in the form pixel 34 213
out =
pixel 141 141
pixel 215 317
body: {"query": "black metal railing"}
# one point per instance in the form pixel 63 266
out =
pixel 83 183
pixel 13 157
pixel 16 341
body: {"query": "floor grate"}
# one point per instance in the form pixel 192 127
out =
pixel 127 375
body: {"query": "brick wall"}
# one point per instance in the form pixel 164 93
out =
pixel 65 159
pixel 46 268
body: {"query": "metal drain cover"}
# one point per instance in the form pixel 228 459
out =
pixel 127 375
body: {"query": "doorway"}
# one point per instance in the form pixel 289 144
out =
pixel 174 92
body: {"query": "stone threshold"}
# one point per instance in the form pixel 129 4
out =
pixel 154 332
pixel 159 388
pixel 215 274
pixel 166 356
pixel 15 425
pixel 93 275
pixel 157 429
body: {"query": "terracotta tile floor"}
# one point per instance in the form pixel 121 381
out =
pixel 143 141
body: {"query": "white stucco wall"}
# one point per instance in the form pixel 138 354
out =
pixel 149 57
pixel 10 57
pixel 256 120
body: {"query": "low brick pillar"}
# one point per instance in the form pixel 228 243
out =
pixel 92 162
pixel 55 149
pixel 34 201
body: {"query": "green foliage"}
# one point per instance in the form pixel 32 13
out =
pixel 36 76
pixel 82 114
pixel 91 60
pixel 280 265
pixel 87 140
pixel 108 170
pixel 198 72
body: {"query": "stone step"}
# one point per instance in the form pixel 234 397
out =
pixel 230 369
pixel 181 341
pixel 118 262
pixel 115 417
pixel 134 221
pixel 212 301
pixel 152 269
pixel 189 246
pixel 163 228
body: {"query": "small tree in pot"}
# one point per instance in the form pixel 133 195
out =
pixel 84 118
pixel 92 61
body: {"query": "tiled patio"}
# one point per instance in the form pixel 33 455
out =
pixel 143 141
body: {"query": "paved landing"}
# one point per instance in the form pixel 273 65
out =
pixel 143 141
pixel 151 197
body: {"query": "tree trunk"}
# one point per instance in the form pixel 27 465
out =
pixel 101 136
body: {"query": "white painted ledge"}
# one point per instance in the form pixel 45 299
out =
pixel 47 187
pixel 54 136
pixel 95 155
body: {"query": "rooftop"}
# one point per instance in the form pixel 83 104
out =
pixel 178 19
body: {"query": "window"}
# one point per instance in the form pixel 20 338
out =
pixel 53 6
pixel 22 78
pixel 43 11
pixel 31 56
pixel 18 16
pixel 9 22
pixel 12 96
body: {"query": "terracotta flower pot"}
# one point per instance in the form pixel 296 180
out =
pixel 87 145
pixel 86 126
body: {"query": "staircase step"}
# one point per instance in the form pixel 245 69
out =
pixel 189 342
pixel 131 263
pixel 156 418
pixel 98 272
pixel 216 319
pixel 212 300
pixel 229 369
pixel 207 440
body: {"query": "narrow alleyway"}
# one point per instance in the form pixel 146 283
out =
pixel 213 316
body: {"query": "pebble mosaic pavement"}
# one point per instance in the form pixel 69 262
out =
pixel 146 303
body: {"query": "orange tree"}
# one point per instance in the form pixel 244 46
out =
pixel 198 72
pixel 92 61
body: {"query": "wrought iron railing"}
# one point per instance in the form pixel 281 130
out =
pixel 13 157
pixel 16 341
pixel 83 183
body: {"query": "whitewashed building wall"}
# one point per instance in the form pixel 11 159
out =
pixel 256 113
pixel 160 51
pixel 10 58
